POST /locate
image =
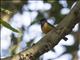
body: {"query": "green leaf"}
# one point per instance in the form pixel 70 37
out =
pixel 5 24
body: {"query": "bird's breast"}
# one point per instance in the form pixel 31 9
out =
pixel 46 28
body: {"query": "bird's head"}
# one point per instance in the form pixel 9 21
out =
pixel 43 21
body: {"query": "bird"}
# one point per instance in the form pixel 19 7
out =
pixel 46 27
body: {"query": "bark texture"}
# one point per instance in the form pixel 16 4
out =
pixel 52 38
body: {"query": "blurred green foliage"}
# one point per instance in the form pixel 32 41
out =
pixel 7 25
pixel 54 11
pixel 12 5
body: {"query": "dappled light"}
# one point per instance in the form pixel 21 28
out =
pixel 28 22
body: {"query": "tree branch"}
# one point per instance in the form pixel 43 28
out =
pixel 52 38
